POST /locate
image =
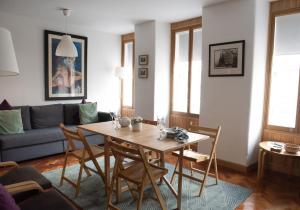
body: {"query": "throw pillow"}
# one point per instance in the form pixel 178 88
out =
pixel 88 113
pixel 5 105
pixel 6 200
pixel 11 122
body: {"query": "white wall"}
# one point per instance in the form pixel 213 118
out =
pixel 152 94
pixel 236 103
pixel 28 87
pixel 144 88
pixel 258 78
pixel 226 100
pixel 162 70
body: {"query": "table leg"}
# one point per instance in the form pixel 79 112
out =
pixel 259 164
pixel 262 163
pixel 107 165
pixel 180 163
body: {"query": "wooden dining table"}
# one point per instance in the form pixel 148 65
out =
pixel 148 138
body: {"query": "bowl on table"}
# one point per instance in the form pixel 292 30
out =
pixel 124 121
pixel 291 148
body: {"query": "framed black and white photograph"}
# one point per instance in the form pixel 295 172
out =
pixel 143 72
pixel 226 59
pixel 65 77
pixel 143 60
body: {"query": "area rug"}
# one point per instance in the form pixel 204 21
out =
pixel 224 196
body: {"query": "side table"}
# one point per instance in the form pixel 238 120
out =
pixel 264 148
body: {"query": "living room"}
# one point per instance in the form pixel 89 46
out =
pixel 169 64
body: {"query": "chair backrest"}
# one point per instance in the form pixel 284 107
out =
pixel 150 122
pixel 73 136
pixel 213 133
pixel 121 151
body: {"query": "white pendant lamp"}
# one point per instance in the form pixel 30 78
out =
pixel 66 47
pixel 8 60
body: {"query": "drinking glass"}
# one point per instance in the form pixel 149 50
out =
pixel 161 125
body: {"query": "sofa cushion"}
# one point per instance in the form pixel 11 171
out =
pixel 6 200
pixel 31 137
pixel 88 113
pixel 26 173
pixel 47 201
pixel 25 113
pixel 11 122
pixel 71 114
pixel 46 116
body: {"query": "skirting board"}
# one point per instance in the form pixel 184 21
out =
pixel 237 167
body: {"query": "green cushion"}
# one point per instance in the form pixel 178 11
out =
pixel 88 113
pixel 11 122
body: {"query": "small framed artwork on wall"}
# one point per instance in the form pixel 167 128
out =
pixel 143 59
pixel 143 72
pixel 226 59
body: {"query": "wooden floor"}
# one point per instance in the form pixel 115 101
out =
pixel 275 191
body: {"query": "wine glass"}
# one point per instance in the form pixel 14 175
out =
pixel 160 125
pixel 117 115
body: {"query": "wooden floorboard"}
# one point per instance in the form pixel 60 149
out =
pixel 275 191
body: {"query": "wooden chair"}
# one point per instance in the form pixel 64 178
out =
pixel 153 157
pixel 140 174
pixel 195 157
pixel 85 154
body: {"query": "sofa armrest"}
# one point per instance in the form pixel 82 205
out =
pixel 21 187
pixel 8 164
pixel 104 117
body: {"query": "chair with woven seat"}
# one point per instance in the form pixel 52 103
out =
pixel 84 154
pixel 140 174
pixel 195 157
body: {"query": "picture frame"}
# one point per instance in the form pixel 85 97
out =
pixel 65 78
pixel 143 59
pixel 143 72
pixel 226 59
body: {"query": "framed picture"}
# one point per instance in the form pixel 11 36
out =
pixel 143 72
pixel 143 59
pixel 226 59
pixel 65 78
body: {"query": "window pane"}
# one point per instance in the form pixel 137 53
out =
pixel 180 73
pixel 285 72
pixel 196 72
pixel 127 80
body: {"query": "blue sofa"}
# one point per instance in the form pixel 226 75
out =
pixel 42 135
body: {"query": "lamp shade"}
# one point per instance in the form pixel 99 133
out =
pixel 66 47
pixel 8 60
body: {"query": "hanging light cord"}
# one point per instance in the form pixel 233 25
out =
pixel 66 24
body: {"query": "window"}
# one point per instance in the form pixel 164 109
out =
pixel 186 71
pixel 128 76
pixel 127 63
pixel 284 75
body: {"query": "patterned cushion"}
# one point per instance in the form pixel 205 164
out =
pixel 88 113
pixel 11 122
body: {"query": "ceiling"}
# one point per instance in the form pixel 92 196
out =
pixel 112 16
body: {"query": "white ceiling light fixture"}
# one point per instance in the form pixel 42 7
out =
pixel 66 47
pixel 8 60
